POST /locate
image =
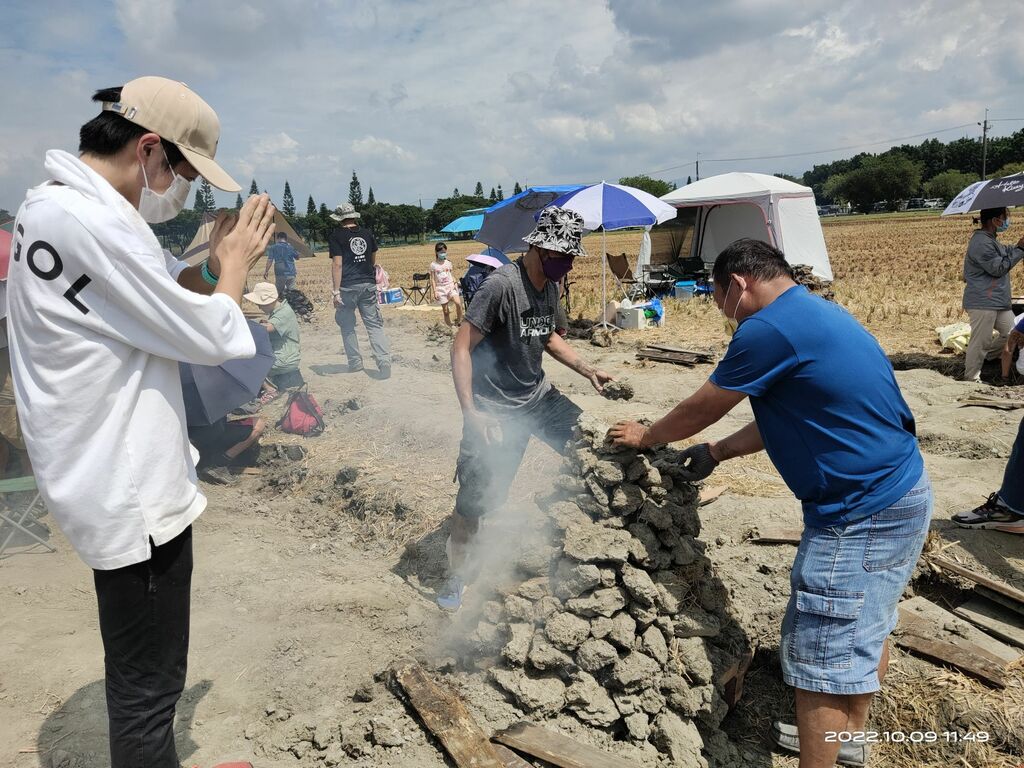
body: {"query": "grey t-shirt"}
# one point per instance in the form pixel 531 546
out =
pixel 516 320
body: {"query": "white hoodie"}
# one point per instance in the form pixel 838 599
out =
pixel 97 325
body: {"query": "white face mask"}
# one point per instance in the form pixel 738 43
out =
pixel 730 323
pixel 154 207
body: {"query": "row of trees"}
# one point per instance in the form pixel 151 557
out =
pixel 930 169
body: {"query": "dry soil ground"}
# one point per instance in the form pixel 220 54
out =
pixel 319 572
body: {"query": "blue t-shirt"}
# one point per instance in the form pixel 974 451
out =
pixel 830 413
pixel 283 255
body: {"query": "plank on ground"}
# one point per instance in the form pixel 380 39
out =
pixel 940 618
pixel 711 493
pixel 995 585
pixel 445 714
pixel 778 535
pixel 557 748
pixel 1000 622
pixel 922 629
pixel 1004 601
pixel 664 357
pixel 509 758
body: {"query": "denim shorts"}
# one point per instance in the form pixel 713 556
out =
pixel 846 584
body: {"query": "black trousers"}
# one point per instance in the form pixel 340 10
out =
pixel 144 622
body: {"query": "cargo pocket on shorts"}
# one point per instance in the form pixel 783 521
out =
pixel 895 533
pixel 824 628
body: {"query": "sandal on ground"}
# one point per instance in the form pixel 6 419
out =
pixel 850 753
pixel 992 515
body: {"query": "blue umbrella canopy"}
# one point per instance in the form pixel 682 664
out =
pixel 507 222
pixel 213 391
pixel 470 223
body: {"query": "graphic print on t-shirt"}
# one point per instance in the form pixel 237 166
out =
pixel 358 245
pixel 531 324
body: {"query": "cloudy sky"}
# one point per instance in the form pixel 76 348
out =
pixel 420 97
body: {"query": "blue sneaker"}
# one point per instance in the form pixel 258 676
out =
pixel 450 596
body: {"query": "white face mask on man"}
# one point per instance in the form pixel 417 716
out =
pixel 157 207
pixel 730 323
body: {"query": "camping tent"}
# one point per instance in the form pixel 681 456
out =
pixel 735 205
pixel 199 248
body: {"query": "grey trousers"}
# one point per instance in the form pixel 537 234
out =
pixel 982 346
pixel 364 299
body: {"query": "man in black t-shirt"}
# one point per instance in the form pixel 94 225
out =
pixel 497 367
pixel 353 252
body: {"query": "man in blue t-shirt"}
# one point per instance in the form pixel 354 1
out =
pixel 830 415
pixel 282 255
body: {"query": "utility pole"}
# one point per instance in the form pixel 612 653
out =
pixel 697 169
pixel 984 144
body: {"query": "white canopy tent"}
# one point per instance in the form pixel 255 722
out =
pixel 199 249
pixel 736 205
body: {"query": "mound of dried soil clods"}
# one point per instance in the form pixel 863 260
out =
pixel 628 629
pixel 804 276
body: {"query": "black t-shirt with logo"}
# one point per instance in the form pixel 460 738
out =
pixel 356 247
pixel 517 320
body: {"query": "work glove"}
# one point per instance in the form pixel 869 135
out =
pixel 697 462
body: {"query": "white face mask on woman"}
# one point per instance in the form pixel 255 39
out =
pixel 156 207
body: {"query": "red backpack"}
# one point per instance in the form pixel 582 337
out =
pixel 302 415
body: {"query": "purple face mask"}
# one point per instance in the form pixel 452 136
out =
pixel 556 268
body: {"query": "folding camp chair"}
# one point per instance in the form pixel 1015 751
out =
pixel 421 289
pixel 16 521
pixel 632 289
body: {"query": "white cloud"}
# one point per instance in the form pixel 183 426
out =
pixel 374 148
pixel 308 90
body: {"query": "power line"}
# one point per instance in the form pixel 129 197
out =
pixel 813 152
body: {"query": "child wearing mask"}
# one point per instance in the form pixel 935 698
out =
pixel 442 281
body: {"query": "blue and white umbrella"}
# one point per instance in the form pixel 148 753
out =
pixel 613 206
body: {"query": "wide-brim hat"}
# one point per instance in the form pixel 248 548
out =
pixel 176 113
pixel 345 211
pixel 560 230
pixel 262 294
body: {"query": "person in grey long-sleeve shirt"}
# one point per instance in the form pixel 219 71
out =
pixel 987 266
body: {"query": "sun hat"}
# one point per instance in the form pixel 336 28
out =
pixel 175 112
pixel 560 230
pixel 345 211
pixel 262 294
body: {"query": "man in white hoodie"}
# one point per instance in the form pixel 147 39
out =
pixel 99 317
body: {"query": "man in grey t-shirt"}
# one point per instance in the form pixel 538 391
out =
pixel 500 382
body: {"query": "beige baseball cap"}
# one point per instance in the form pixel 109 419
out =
pixel 175 112
pixel 262 294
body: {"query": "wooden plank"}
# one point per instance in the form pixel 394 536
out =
pixel 1002 403
pixel 445 714
pixel 683 356
pixel 509 758
pixel 946 626
pixel 666 348
pixel 994 585
pixel 778 535
pixel 1000 622
pixel 732 682
pixel 951 655
pixel 660 357
pixel 711 493
pixel 995 597
pixel 557 748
